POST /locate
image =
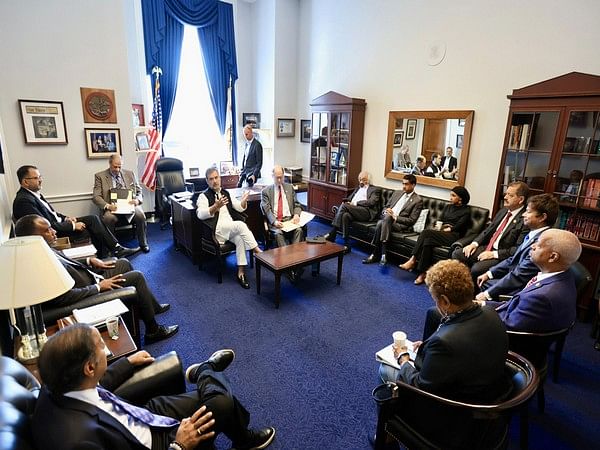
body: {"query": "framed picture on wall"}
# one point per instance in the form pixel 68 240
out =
pixel 286 127
pixel 411 128
pixel 137 112
pixel 305 130
pixel 251 118
pixel 459 141
pixel 102 142
pixel 43 122
pixel 398 138
pixel 461 122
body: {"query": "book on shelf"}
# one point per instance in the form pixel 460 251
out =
pixel 523 137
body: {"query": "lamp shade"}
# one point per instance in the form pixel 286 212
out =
pixel 30 273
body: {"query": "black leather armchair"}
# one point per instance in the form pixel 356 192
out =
pixel 419 419
pixel 169 179
pixel 19 391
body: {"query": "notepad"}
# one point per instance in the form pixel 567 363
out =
pixel 97 314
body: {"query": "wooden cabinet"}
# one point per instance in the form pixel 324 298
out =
pixel 552 143
pixel 336 150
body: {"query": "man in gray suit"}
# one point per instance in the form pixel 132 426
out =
pixel 362 206
pixel 117 178
pixel 279 204
pixel 399 214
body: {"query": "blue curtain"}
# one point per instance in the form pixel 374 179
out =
pixel 163 33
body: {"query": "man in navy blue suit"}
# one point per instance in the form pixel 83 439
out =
pixel 253 158
pixel 512 274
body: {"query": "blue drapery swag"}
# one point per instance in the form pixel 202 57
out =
pixel 163 22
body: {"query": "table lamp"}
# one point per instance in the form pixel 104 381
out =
pixel 31 274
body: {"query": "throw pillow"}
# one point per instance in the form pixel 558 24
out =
pixel 419 225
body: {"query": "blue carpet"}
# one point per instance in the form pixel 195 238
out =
pixel 308 368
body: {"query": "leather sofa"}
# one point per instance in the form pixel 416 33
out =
pixel 19 390
pixel 402 244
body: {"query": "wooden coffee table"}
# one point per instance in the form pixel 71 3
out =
pixel 283 259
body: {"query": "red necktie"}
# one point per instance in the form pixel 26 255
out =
pixel 280 206
pixel 499 231
pixel 530 282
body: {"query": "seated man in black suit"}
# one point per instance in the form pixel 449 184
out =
pixel 464 358
pixel 76 409
pixel 29 200
pixel 501 237
pixel 400 214
pixel 449 165
pixel 362 205
pixel 99 276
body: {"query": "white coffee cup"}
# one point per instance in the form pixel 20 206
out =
pixel 438 225
pixel 399 338
pixel 112 327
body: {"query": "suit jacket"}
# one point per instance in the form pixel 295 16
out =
pixel 252 163
pixel 453 163
pixel 372 201
pixel 268 199
pixel 513 235
pixel 546 305
pixel 85 283
pixel 512 274
pixel 464 359
pixel 103 184
pixel 26 203
pixel 66 423
pixel 410 211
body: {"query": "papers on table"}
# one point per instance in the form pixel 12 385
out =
pixel 97 314
pixel 386 355
pixel 305 217
pixel 80 252
pixel 182 195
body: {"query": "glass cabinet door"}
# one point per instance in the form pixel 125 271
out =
pixel 340 146
pixel 318 146
pixel 530 148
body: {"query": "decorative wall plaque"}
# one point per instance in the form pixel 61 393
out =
pixel 98 105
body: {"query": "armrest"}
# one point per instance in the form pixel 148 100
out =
pixel 163 377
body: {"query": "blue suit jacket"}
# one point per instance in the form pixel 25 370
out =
pixel 546 305
pixel 512 274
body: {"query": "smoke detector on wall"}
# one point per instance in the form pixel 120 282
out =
pixel 436 53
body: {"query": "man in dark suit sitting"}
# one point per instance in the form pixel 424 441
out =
pixel 399 214
pixel 29 200
pixel 76 408
pixel 501 237
pixel 362 206
pixel 98 276
pixel 253 158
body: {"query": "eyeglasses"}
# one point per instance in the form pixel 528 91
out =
pixel 33 178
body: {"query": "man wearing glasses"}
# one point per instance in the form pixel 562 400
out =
pixel 29 200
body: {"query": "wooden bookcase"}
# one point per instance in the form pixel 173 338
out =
pixel 552 143
pixel 336 150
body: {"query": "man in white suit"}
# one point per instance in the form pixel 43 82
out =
pixel 117 178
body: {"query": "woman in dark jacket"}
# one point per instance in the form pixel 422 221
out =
pixel 455 222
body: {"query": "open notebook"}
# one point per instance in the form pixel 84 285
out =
pixel 97 314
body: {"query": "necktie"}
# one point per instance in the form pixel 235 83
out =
pixel 98 278
pixel 280 205
pixel 119 182
pixel 136 413
pixel 498 232
pixel 530 282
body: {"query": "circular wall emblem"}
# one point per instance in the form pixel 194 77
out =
pixel 99 106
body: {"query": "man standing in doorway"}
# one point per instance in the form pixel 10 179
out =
pixel 253 158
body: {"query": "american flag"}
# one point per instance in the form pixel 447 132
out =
pixel 155 137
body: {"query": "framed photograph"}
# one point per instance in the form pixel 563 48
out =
pixel 43 122
pixel 141 141
pixel 305 130
pixel 194 172
pixel 398 137
pixel 251 118
pixel 102 142
pixel 459 141
pixel 98 105
pixel 137 111
pixel 226 167
pixel 411 128
pixel 461 122
pixel 286 127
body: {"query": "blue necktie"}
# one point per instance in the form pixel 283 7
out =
pixel 135 412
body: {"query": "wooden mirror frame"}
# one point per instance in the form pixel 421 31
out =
pixel 464 154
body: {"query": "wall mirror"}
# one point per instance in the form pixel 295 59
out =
pixel 413 134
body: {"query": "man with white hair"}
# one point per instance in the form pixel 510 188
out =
pixel 361 206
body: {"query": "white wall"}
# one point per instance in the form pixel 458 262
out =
pixel 378 51
pixel 49 50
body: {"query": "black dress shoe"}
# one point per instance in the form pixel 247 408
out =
pixel 146 248
pixel 163 332
pixel 347 249
pixel 330 236
pixel 370 259
pixel 164 307
pixel 243 282
pixel 259 439
pixel 124 252
pixel 219 360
